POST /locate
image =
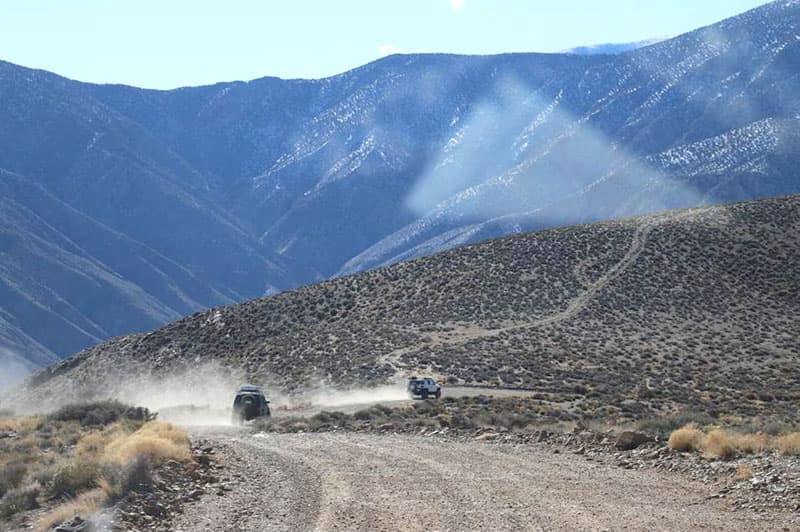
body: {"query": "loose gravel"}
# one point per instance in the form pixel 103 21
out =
pixel 348 481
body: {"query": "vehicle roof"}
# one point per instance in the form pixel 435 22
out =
pixel 249 388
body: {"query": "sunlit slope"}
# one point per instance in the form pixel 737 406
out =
pixel 694 308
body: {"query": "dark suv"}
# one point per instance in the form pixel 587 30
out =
pixel 249 404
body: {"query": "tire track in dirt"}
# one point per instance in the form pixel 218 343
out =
pixel 349 481
pixel 444 480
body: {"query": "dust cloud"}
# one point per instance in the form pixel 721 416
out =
pixel 13 368
pixel 204 395
pixel 201 395
pixel 330 397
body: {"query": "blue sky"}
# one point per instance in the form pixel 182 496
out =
pixel 170 43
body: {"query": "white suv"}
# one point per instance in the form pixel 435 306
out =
pixel 423 387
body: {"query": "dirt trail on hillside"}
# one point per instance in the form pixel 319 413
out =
pixel 359 481
pixel 464 333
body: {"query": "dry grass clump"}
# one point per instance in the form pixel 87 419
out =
pixel 752 443
pixel 84 504
pixel 21 425
pixel 719 443
pixel 686 438
pixel 73 478
pixel 724 444
pixel 92 445
pixel 81 458
pixel 156 439
pixel 789 443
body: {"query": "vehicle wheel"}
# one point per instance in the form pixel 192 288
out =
pixel 438 393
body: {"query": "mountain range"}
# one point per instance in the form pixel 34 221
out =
pixel 125 208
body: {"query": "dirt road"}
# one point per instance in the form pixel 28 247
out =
pixel 348 401
pixel 358 482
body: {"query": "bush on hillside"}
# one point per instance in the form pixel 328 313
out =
pixel 789 444
pixel 118 480
pixel 686 438
pixel 662 426
pixel 100 413
pixel 11 476
pixel 19 500
pixel 73 478
pixel 155 440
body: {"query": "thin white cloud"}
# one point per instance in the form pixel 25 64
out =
pixel 456 5
pixel 388 49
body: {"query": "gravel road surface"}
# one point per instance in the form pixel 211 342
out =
pixel 392 482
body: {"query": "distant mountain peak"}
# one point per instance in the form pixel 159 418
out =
pixel 611 48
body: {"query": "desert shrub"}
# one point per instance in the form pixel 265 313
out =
pixel 118 480
pixel 45 476
pixel 664 425
pixel 11 476
pixel 381 410
pixel 139 413
pixel 775 428
pixel 686 438
pixel 100 413
pixel 92 445
pixel 19 500
pixel 363 415
pixel 789 443
pixel 96 413
pixel 297 426
pixel 155 439
pixel 460 421
pixel 70 433
pixel 770 427
pixel 719 444
pixel 752 443
pixel 327 419
pixel 72 478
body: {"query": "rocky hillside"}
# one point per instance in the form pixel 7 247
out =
pixel 692 308
pixel 124 208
